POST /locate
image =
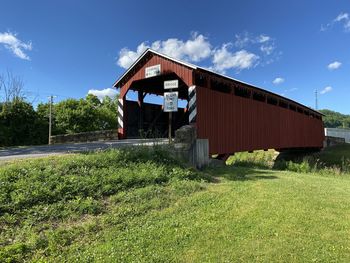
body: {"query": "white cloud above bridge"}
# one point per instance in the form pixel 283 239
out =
pixel 278 80
pixel 101 94
pixel 326 90
pixel 245 52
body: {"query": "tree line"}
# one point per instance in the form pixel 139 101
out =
pixel 22 124
pixel 333 119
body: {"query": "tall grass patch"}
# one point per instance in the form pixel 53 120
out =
pixel 330 161
pixel 257 159
pixel 38 198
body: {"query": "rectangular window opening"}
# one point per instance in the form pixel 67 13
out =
pixel 272 100
pixel 283 104
pixel 242 92
pixel 292 107
pixel 259 96
pixel 200 80
pixel 220 86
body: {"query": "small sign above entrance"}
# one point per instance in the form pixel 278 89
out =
pixel 170 101
pixel 152 71
pixel 171 84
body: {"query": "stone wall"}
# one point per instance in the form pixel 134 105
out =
pixel 85 137
pixel 192 150
pixel 332 141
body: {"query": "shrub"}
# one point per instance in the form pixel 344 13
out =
pixel 258 159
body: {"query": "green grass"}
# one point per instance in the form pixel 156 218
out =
pixel 142 206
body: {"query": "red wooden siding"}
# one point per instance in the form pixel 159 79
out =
pixel 234 124
pixel 183 72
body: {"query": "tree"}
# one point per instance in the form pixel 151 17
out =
pixel 20 124
pixel 108 113
pixel 334 119
pixel 11 86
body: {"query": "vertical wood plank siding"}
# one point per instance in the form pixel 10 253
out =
pixel 166 66
pixel 235 124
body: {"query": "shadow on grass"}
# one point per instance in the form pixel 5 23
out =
pixel 237 173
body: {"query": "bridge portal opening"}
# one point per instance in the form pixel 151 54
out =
pixel 144 116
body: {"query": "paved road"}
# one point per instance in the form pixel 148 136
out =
pixel 47 150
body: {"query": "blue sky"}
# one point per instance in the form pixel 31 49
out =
pixel 67 48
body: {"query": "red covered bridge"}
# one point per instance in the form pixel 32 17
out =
pixel 234 116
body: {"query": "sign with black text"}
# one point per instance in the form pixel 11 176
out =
pixel 170 101
pixel 171 84
pixel 152 71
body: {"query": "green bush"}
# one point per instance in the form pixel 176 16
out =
pixel 20 124
pixel 303 167
pixel 258 159
pixel 333 160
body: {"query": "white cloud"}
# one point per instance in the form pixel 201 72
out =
pixel 345 19
pixel 267 45
pixel 194 49
pixel 224 59
pixel 100 94
pixel 326 90
pixel 324 28
pixel 243 40
pixel 267 49
pixel 263 38
pixel 334 65
pixel 16 46
pixel 127 57
pixel 198 48
pixel 342 18
pixel 278 81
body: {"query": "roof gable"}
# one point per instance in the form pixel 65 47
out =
pixel 130 73
pixel 144 55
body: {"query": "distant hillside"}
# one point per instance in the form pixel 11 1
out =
pixel 333 119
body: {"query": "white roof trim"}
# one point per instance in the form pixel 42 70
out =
pixel 157 53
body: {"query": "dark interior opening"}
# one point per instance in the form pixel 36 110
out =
pixel 283 104
pixel 147 119
pixel 200 80
pixel 220 86
pixel 292 107
pixel 152 122
pixel 242 92
pixel 259 96
pixel 272 100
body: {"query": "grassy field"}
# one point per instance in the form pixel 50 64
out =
pixel 142 206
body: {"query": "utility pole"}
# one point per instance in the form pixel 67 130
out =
pixel 316 100
pixel 50 117
pixel 170 122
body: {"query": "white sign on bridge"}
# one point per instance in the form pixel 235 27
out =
pixel 170 101
pixel 152 71
pixel 171 84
